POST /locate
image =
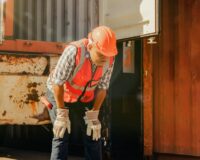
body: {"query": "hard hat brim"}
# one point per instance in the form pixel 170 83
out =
pixel 110 53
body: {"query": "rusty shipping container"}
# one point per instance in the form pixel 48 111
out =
pixel 25 65
pixel 38 35
pixel 36 32
pixel 159 101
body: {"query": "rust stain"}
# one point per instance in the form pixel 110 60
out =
pixel 17 58
pixel 6 121
pixel 25 64
pixel 4 113
pixel 34 84
pixel 32 96
pixel 33 107
pixel 14 59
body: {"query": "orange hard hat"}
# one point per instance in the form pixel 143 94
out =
pixel 105 40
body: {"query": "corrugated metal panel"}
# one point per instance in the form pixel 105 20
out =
pixel 177 80
pixel 22 82
pixel 93 13
pixel 70 29
pixel 39 19
pixel 52 20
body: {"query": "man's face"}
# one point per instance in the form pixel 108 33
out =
pixel 97 57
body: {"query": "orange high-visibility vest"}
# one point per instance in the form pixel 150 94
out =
pixel 83 76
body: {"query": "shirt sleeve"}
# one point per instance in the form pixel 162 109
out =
pixel 65 65
pixel 105 80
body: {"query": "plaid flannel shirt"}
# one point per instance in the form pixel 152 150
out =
pixel 66 66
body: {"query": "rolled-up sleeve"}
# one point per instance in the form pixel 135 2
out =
pixel 65 66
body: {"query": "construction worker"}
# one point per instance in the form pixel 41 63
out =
pixel 77 88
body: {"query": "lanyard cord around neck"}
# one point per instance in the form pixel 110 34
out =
pixel 87 84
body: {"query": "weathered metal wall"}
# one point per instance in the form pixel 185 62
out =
pixel 23 76
pixel 22 81
pixel 177 79
pixel 23 72
pixel 53 20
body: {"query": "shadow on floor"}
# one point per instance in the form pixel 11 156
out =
pixel 15 154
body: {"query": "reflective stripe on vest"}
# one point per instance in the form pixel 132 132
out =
pixel 82 60
pixel 83 81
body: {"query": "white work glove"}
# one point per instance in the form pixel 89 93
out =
pixel 61 123
pixel 93 124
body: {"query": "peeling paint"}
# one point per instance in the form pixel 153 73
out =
pixel 4 113
pixel 19 97
pixel 33 96
pixel 19 64
pixel 20 94
pixel 34 84
pixel 6 121
pixel 34 108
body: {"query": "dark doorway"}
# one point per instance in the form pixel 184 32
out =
pixel 124 106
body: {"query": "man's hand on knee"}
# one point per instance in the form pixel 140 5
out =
pixel 93 124
pixel 61 123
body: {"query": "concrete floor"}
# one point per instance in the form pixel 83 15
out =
pixel 15 154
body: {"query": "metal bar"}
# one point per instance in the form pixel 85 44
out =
pixel 30 19
pixel 70 14
pixel 44 19
pixel 32 46
pixel 59 20
pixel 20 18
pixel 81 19
pixel 25 19
pixel 93 14
pixel 54 19
pixel 49 20
pixel 34 19
pixel 38 20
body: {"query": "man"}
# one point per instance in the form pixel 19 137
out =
pixel 77 88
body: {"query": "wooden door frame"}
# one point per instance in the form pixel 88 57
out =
pixel 148 50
